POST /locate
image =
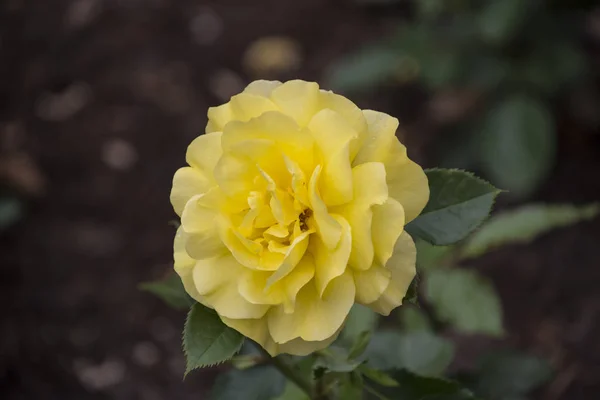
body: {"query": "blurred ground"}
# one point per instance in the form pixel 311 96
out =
pixel 98 101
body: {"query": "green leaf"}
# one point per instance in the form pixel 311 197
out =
pixel 207 340
pixel 412 386
pixel 508 375
pixel 360 319
pixel 459 202
pixel 430 256
pixel 292 392
pixel 366 68
pixel 350 387
pixel 259 383
pixel 412 293
pixel 170 290
pixel 11 210
pixel 359 345
pixel 304 367
pixel 518 144
pixel 524 224
pixel 420 352
pixel 378 376
pixel 414 320
pixel 430 9
pixel 499 21
pixel 335 359
pixel 466 300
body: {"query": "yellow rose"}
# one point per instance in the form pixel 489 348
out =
pixel 292 209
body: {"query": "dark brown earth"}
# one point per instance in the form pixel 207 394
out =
pixel 98 101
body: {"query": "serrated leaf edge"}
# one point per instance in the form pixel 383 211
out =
pixel 207 365
pixel 495 194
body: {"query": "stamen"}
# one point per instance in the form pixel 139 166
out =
pixel 303 217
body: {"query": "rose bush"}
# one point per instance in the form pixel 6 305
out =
pixel 292 209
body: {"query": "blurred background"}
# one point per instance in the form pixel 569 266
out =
pixel 99 99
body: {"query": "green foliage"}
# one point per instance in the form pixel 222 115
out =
pixel 292 392
pixel 412 386
pixel 258 383
pixel 420 352
pixel 359 345
pixel 351 387
pixel 499 21
pixel 369 67
pixel 335 359
pixel 509 375
pixel 245 361
pixel 303 367
pixel 414 320
pixel 466 300
pixel 360 319
pixel 207 340
pixel 171 291
pixel 524 224
pixel 412 292
pixel 430 256
pixel 11 211
pixel 459 202
pixel 497 50
pixel 518 144
pixel 378 376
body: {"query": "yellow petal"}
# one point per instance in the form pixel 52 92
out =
pixel 254 288
pixel 262 87
pixel 300 347
pixel 216 280
pixel 377 142
pixel 184 264
pixel 407 182
pixel 293 256
pixel 256 330
pixel 298 99
pixel 293 141
pixel 371 284
pixel 204 152
pixel 350 113
pixel 218 117
pixel 299 187
pixel 370 186
pixel 370 189
pixel 329 264
pixel 333 135
pixel 246 106
pixel 188 182
pixel 205 244
pixel 328 228
pixel 235 175
pixel 314 318
pixel 238 245
pixel 277 231
pixel 198 216
pixel 198 221
pixel 387 225
pixel 296 280
pixel 266 156
pixel 282 207
pixel 402 267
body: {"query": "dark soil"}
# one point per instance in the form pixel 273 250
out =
pixel 98 101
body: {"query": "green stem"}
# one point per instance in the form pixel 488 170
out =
pixel 375 393
pixel 290 373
